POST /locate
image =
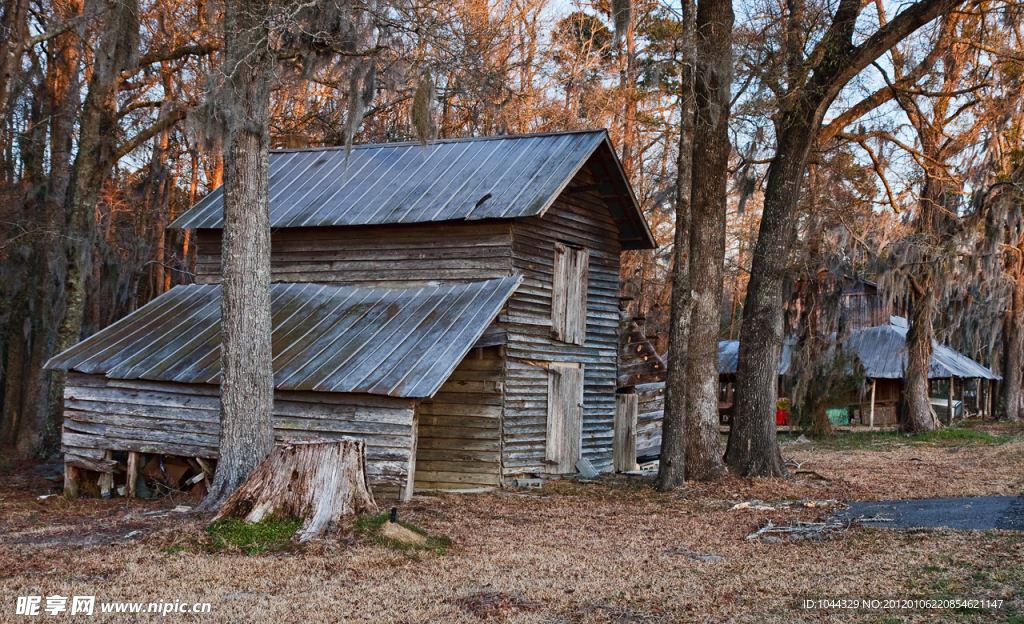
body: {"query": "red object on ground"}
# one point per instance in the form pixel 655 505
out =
pixel 781 417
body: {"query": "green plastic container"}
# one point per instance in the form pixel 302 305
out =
pixel 838 415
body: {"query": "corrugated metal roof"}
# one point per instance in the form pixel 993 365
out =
pixel 881 351
pixel 458 179
pixel 729 356
pixel 396 342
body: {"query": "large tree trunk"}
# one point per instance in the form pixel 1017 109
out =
pixel 920 417
pixel 41 396
pixel 97 136
pixel 672 458
pixel 707 235
pixel 247 385
pixel 1013 358
pixel 753 448
pixel 316 481
pixel 13 372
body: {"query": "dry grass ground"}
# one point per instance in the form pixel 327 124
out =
pixel 613 551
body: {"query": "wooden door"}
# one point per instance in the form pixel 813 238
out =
pixel 565 418
pixel 569 294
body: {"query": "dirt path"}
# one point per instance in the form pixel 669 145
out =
pixel 979 513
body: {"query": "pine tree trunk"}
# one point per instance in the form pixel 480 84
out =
pixel 672 459
pixel 316 481
pixel 247 385
pixel 707 235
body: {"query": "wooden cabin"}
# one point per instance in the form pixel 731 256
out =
pixel 455 305
pixel 859 304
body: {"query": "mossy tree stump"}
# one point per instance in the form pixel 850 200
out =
pixel 316 481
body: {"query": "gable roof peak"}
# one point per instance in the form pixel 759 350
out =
pixel 502 177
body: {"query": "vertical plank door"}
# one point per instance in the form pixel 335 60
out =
pixel 565 418
pixel 624 442
pixel 569 294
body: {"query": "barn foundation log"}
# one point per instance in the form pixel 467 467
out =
pixel 70 481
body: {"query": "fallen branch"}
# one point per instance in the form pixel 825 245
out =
pixel 801 528
pixel 875 518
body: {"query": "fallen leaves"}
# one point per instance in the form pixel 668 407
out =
pixel 489 604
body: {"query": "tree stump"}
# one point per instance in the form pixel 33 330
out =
pixel 317 481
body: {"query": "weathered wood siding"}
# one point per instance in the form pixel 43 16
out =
pixel 650 414
pixel 184 419
pixel 624 448
pixel 583 220
pixel 384 256
pixel 460 427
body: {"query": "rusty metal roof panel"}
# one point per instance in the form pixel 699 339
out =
pixel 501 177
pixel 395 342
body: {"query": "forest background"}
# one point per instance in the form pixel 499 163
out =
pixel 110 130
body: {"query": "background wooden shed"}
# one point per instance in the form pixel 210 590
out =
pixel 881 350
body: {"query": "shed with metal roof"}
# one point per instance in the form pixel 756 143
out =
pixel 454 304
pixel 881 350
pixel 347 361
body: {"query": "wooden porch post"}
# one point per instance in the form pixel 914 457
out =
pixel 988 401
pixel 949 401
pixel 871 416
pixel 405 493
pixel 106 481
pixel 70 481
pixel 133 474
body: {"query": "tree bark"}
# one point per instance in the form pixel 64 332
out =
pixel 1013 358
pixel 247 385
pixel 753 449
pixel 707 235
pixel 41 394
pixel 672 459
pixel 316 481
pixel 97 136
pixel 920 415
pixel 14 369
